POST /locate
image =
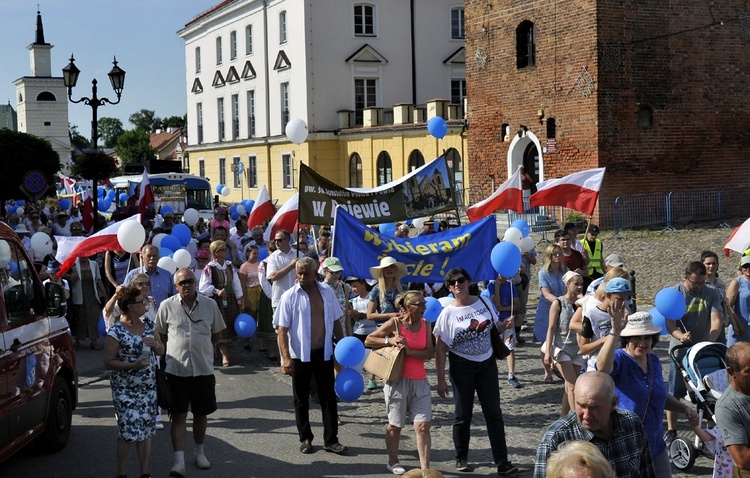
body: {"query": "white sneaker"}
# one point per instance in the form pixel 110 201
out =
pixel 159 426
pixel 202 462
pixel 178 470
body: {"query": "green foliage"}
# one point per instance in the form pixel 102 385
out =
pixel 134 147
pixel 97 166
pixel 78 141
pixel 174 121
pixel 145 120
pixel 109 130
pixel 20 153
pixel 574 217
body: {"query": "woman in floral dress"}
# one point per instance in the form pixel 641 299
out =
pixel 127 354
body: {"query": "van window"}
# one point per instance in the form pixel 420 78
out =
pixel 22 298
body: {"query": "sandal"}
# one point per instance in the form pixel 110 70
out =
pixel 336 448
pixel 306 448
pixel 396 469
pixel 225 363
pixel 549 379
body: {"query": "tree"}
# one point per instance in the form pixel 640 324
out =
pixel 77 139
pixel 109 130
pixel 21 153
pixel 134 147
pixel 174 121
pixel 145 120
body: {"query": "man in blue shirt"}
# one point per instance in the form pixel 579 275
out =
pixel 162 285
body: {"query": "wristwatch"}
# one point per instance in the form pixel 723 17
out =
pixel 386 340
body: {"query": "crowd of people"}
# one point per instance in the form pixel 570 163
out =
pixel 586 326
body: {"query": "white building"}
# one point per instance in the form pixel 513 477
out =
pixel 251 65
pixel 41 99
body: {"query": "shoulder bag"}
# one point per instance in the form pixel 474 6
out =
pixel 163 392
pixel 386 362
pixel 499 349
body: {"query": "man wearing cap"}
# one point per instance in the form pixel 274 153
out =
pixel 428 228
pixel 201 261
pixel 53 267
pixel 612 260
pixel 701 322
pixel 592 245
pixel 332 269
pixel 23 234
pixel 733 407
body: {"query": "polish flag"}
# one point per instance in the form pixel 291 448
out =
pixel 104 240
pixel 263 209
pixel 739 240
pixel 68 183
pixel 577 191
pixel 508 196
pixel 145 194
pixel 286 218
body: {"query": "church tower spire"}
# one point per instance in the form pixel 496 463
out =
pixel 39 51
pixel 39 29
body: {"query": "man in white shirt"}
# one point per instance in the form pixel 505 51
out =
pixel 280 266
pixel 307 318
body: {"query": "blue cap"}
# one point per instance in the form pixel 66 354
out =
pixel 618 284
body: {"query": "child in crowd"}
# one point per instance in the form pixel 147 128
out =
pixel 711 437
pixel 358 314
pixel 503 294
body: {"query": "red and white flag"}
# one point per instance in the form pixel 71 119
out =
pixel 508 196
pixel 578 191
pixel 68 183
pixel 263 209
pixel 286 218
pixel 739 240
pixel 104 240
pixel 145 194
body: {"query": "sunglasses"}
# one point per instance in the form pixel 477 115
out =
pixel 456 281
pixel 143 284
pixel 185 282
pixel 419 304
pixel 139 302
pixel 280 240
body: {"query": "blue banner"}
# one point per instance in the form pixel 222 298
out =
pixel 427 258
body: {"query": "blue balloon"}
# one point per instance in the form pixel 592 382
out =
pixel 103 205
pixel 12 209
pixel 485 293
pixel 349 352
pixel 349 385
pixel 670 303
pixel 234 216
pixel 100 192
pixel 249 204
pixel 245 326
pixel 20 202
pixel 172 243
pixel 659 320
pixel 166 209
pixel 433 309
pixel 165 251
pixel 182 233
pixel 388 228
pixel 219 187
pixel 14 271
pixel 232 209
pixel 506 259
pixel 64 204
pixel 101 327
pixel 262 253
pixel 522 226
pixel 111 195
pixel 437 127
pixel 123 197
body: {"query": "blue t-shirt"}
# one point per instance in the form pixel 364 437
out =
pixel 507 294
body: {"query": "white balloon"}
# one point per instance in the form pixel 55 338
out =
pixel 157 239
pixel 41 243
pixel 446 301
pixel 182 258
pixel 225 191
pixel 513 235
pixel 20 211
pixel 168 264
pixel 241 209
pixel 527 244
pixel 418 222
pixel 4 254
pixel 131 236
pixel 190 216
pixel 296 131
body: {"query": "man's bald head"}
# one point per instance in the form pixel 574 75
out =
pixel 595 401
pixel 598 383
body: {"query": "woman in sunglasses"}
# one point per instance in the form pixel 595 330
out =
pixel 462 331
pixel 738 299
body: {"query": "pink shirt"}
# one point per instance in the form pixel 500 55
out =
pixel 414 367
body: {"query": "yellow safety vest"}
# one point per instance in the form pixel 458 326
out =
pixel 595 257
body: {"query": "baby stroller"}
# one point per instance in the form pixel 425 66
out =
pixel 705 373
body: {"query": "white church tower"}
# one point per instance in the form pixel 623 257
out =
pixel 41 100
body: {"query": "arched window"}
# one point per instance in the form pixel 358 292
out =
pixel 455 168
pixel 355 171
pixel 416 160
pixel 645 117
pixel 385 168
pixel 45 96
pixel 525 44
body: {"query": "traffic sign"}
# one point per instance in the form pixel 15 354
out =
pixel 34 182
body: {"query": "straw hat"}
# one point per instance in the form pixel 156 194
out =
pixel 377 271
pixel 640 323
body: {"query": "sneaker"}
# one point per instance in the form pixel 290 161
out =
pixel 202 462
pixel 463 465
pixel 524 326
pixel 513 381
pixel 371 385
pixel 506 469
pixel 159 426
pixel 178 470
pixel 669 437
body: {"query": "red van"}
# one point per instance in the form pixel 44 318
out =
pixel 38 378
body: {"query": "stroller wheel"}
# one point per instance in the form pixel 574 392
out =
pixel 682 453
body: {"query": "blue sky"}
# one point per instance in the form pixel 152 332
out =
pixel 141 33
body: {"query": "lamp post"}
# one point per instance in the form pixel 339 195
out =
pixel 117 79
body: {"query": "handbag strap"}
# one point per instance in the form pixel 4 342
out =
pixel 492 314
pixel 650 383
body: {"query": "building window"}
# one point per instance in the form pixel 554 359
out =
pixel 416 160
pixel 505 132
pixel 249 40
pixel 252 172
pixel 551 128
pixel 223 171
pixel 235 116
pixel 237 170
pixel 202 168
pixel 458 93
pixel 251 113
pixel 282 27
pixel 457 23
pixel 286 171
pixel 197 59
pixel 199 122
pixel 218 50
pixel 355 171
pixel 525 45
pixel 233 45
pixel 220 116
pixel 385 168
pixel 645 117
pixel 284 105
pixel 364 20
pixel 455 168
pixel 365 96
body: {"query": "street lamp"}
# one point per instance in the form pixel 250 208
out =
pixel 117 79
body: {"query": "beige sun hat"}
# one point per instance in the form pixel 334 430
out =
pixel 376 271
pixel 640 323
